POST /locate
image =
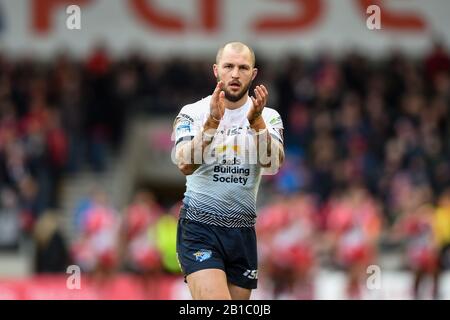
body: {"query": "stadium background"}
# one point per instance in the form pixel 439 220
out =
pixel 86 176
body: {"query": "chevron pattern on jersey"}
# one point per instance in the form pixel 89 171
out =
pixel 206 209
pixel 229 204
pixel 216 219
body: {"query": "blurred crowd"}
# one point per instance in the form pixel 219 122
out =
pixel 140 240
pixel 298 234
pixel 370 142
pixel 367 144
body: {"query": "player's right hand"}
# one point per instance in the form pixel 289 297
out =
pixel 217 105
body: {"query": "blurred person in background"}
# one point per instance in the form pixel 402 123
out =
pixel 354 225
pixel 138 240
pixel 287 241
pixel 57 151
pixel 70 100
pixel 34 127
pixel 29 202
pixel 416 228
pixel 99 98
pixel 10 219
pixel 96 247
pixel 82 207
pixel 166 239
pixel 442 231
pixel 52 253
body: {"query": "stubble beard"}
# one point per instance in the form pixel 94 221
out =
pixel 235 97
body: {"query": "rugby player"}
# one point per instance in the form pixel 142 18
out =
pixel 224 142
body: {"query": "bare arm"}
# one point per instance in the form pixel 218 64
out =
pixel 189 154
pixel 265 143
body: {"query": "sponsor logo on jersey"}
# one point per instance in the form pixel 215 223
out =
pixel 275 121
pixel 223 148
pixel 233 131
pixel 185 116
pixel 183 127
pixel 231 162
pixel 231 173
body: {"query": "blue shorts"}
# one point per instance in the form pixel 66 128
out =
pixel 233 250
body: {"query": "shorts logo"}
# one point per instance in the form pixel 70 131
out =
pixel 251 274
pixel 202 255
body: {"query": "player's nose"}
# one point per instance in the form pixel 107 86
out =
pixel 235 73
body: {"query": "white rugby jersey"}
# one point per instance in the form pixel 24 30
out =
pixel 224 193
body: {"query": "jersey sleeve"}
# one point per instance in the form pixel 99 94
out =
pixel 185 125
pixel 274 124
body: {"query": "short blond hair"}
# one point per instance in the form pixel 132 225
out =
pixel 237 46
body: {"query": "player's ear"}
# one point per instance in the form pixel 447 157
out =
pixel 216 70
pixel 254 73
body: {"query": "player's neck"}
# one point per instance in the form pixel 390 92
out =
pixel 236 105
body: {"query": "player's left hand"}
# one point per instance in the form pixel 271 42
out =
pixel 259 102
